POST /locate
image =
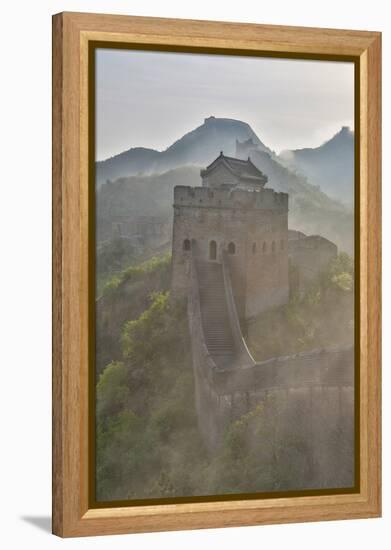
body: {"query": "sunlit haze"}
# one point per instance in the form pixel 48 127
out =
pixel 151 99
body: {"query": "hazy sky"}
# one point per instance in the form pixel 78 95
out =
pixel 150 99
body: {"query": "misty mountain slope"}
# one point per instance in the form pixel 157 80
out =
pixel 133 161
pixel 280 178
pixel 310 210
pixel 203 145
pixel 140 195
pixel 331 166
pixel 198 147
pixel 148 177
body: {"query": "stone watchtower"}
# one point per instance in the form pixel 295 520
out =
pixel 233 212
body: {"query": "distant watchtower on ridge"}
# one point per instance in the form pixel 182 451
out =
pixel 232 214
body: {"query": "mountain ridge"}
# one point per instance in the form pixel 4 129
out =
pixel 197 147
pixel 330 166
pixel 142 179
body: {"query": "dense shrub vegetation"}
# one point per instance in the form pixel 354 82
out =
pixel 322 316
pixel 126 296
pixel 146 426
pixel 148 443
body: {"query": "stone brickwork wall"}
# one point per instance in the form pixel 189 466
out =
pixel 310 255
pixel 148 229
pixel 252 224
pixel 315 390
pixel 317 411
pixel 247 232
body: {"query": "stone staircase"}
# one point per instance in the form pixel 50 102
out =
pixel 214 313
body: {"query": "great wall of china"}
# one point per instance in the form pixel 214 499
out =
pixel 220 271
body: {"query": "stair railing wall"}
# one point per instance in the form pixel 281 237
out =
pixel 244 356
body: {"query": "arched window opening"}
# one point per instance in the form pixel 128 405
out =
pixel 231 248
pixel 254 248
pixel 264 248
pixel 186 245
pixel 273 246
pixel 212 250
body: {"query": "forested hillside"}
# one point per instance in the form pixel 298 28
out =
pixel 148 443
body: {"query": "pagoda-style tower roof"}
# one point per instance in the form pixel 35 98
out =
pixel 242 171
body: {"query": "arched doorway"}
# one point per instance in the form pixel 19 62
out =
pixel 212 250
pixel 231 248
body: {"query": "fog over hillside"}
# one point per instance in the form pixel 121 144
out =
pixel 141 181
pixel 331 166
pixel 140 195
pixel 198 147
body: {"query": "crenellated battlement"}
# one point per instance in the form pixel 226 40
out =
pixel 231 198
pixel 230 259
pixel 232 212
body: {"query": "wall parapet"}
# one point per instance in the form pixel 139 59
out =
pixel 318 367
pixel 315 368
pixel 201 355
pixel 243 355
pixel 224 393
pixel 221 197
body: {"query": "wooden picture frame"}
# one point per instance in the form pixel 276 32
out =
pixel 72 223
